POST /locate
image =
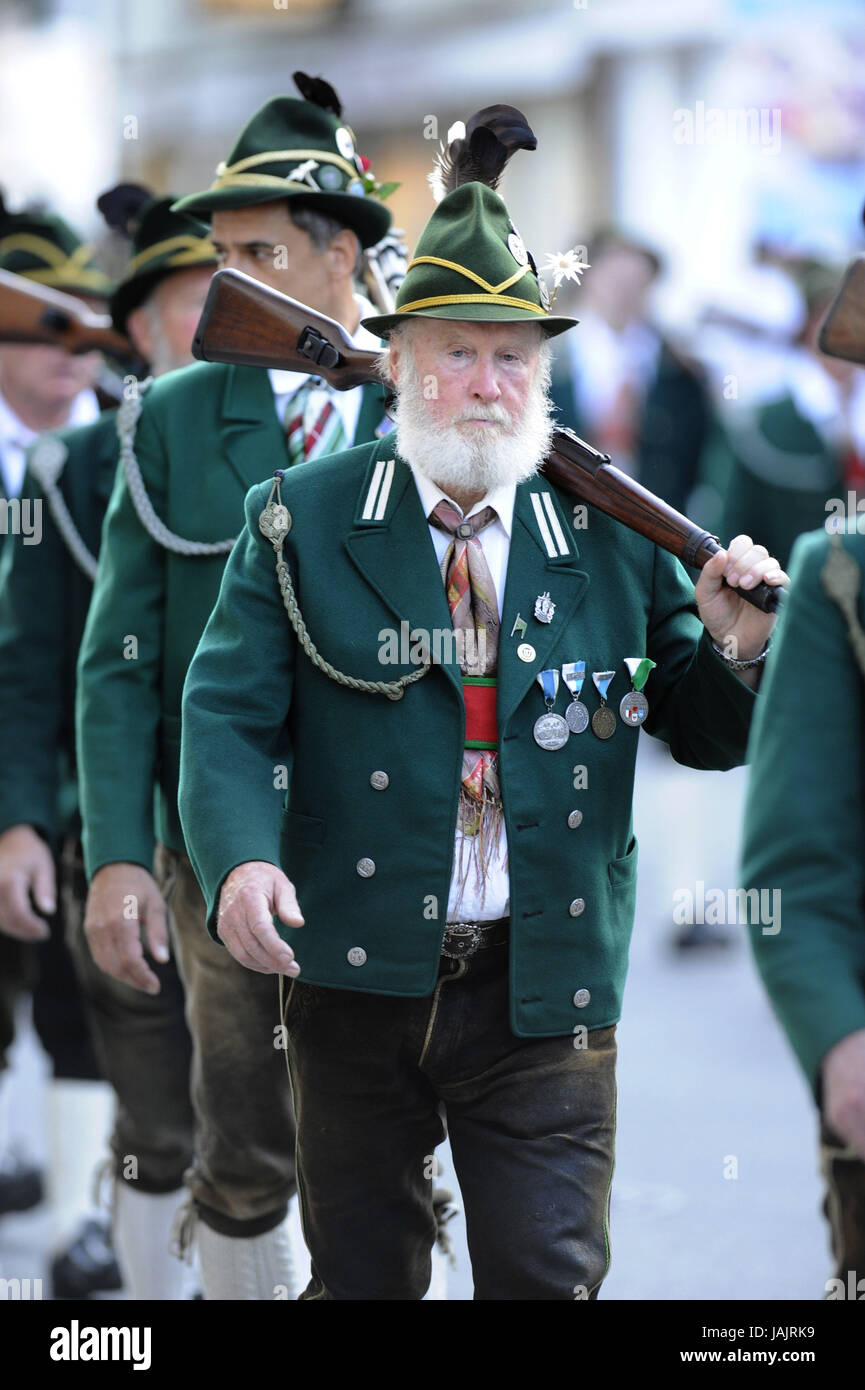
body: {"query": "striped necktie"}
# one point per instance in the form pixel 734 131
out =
pixel 474 609
pixel 313 425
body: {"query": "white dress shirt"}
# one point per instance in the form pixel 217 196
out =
pixel 16 438
pixel 286 384
pixel 478 905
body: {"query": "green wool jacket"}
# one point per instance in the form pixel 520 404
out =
pixel 781 473
pixel 805 817
pixel 44 597
pixel 205 434
pixel 256 710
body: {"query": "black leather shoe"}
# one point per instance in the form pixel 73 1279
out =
pixel 701 936
pixel 88 1266
pixel 20 1185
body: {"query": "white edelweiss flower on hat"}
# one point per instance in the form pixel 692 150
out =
pixel 566 265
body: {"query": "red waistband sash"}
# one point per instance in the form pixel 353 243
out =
pixel 482 729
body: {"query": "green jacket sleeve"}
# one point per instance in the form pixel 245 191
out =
pixel 119 674
pixel 697 704
pixel 34 624
pixel 222 748
pixel 805 820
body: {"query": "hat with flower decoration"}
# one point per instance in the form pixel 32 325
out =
pixel 162 241
pixel 43 247
pixel 470 261
pixel 302 150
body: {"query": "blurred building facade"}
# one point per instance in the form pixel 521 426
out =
pixel 692 123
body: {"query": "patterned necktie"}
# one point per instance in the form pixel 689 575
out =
pixel 471 595
pixel 313 425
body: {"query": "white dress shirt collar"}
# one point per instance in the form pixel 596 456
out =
pixel 502 499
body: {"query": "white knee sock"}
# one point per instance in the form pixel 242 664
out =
pixel 246 1267
pixel 80 1120
pixel 141 1231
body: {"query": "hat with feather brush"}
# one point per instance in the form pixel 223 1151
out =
pixel 470 261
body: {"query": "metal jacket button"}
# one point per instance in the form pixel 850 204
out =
pixel 575 819
pixel 582 998
pixel 379 780
pixel 366 867
pixel 356 956
pixel 577 907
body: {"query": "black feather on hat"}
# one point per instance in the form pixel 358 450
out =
pixel 317 90
pixel 121 206
pixel 480 150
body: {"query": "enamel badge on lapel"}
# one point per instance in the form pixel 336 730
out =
pixel 544 608
pixel 634 707
pixel 519 627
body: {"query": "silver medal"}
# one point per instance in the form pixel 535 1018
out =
pixel 577 716
pixel 551 731
pixel 633 708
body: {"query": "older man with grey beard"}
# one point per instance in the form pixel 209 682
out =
pixel 455 864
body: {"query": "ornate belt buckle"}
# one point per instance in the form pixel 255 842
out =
pixel 461 939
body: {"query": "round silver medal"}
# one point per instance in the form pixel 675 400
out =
pixel 551 731
pixel 604 722
pixel 577 715
pixel 633 708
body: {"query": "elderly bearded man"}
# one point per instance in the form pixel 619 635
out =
pixel 458 893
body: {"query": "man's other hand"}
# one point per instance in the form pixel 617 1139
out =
pixel 27 878
pixel 251 896
pixel 844 1090
pixel 123 904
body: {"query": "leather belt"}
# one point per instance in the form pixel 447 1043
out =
pixel 463 939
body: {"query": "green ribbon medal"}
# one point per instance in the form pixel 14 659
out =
pixel 634 707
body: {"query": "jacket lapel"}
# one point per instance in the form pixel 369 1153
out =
pixel 542 559
pixel 251 434
pixel 392 549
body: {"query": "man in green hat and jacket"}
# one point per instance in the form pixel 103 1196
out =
pixel 290 207
pixel 803 838
pixel 44 388
pixel 142 1043
pixel 453 873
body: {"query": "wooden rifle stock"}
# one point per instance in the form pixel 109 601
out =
pixel 842 333
pixel 245 321
pixel 33 313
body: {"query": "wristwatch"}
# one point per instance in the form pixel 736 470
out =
pixel 743 665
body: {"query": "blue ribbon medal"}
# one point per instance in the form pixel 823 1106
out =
pixel 603 719
pixel 550 730
pixel 577 714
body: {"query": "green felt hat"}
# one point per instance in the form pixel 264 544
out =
pixel 44 248
pixel 299 150
pixel 470 263
pixel 162 242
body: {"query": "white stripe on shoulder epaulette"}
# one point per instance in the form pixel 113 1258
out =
pixel 375 505
pixel 549 525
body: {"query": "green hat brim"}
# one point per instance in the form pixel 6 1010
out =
pixel 130 294
pixel 550 324
pixel 367 217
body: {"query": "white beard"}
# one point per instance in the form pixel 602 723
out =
pixel 508 452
